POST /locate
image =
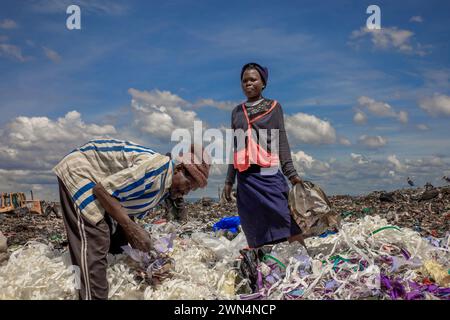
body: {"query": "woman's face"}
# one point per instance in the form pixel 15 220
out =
pixel 252 84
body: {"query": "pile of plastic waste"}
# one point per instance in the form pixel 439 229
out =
pixel 182 266
pixel 203 265
pixel 366 259
pixel 35 271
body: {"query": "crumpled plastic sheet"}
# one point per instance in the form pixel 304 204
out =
pixel 353 264
pixel 221 246
pixel 198 275
pixel 121 280
pixel 38 272
pixel 203 262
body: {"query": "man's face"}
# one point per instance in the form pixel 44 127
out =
pixel 180 184
pixel 252 84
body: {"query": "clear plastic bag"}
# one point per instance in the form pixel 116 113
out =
pixel 221 246
pixel 311 209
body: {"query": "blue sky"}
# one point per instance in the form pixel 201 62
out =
pixel 60 87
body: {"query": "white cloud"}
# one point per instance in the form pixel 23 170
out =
pixel 157 98
pixel 168 99
pixel 12 52
pixel 397 164
pixel 42 132
pixel 359 158
pixel 373 141
pixel 439 79
pixel 162 121
pixel 423 127
pixel 307 165
pixel 390 38
pixel 402 116
pixel 8 24
pixel 52 54
pixel 345 142
pixel 159 113
pixel 31 146
pixel 438 104
pixel 417 19
pixel 26 180
pixel 307 128
pixel 360 118
pixel 364 175
pixel 430 162
pixel 376 107
pixel 222 105
pixel 380 109
pixel 303 159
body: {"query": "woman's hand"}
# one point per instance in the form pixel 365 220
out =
pixel 137 237
pixel 295 179
pixel 227 191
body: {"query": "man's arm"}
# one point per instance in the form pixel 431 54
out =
pixel 136 236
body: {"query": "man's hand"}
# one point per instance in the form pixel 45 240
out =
pixel 137 237
pixel 227 191
pixel 295 179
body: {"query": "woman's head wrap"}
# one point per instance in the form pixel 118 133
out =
pixel 263 71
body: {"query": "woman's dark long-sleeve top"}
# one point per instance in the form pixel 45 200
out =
pixel 272 120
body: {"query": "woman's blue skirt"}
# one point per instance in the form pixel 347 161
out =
pixel 262 202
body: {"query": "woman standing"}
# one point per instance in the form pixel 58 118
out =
pixel 262 191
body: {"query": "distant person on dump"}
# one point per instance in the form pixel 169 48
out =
pixel 103 186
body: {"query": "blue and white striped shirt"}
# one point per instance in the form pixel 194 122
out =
pixel 135 175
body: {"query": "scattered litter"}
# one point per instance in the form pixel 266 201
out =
pixel 20 229
pixel 409 209
pixel 383 250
